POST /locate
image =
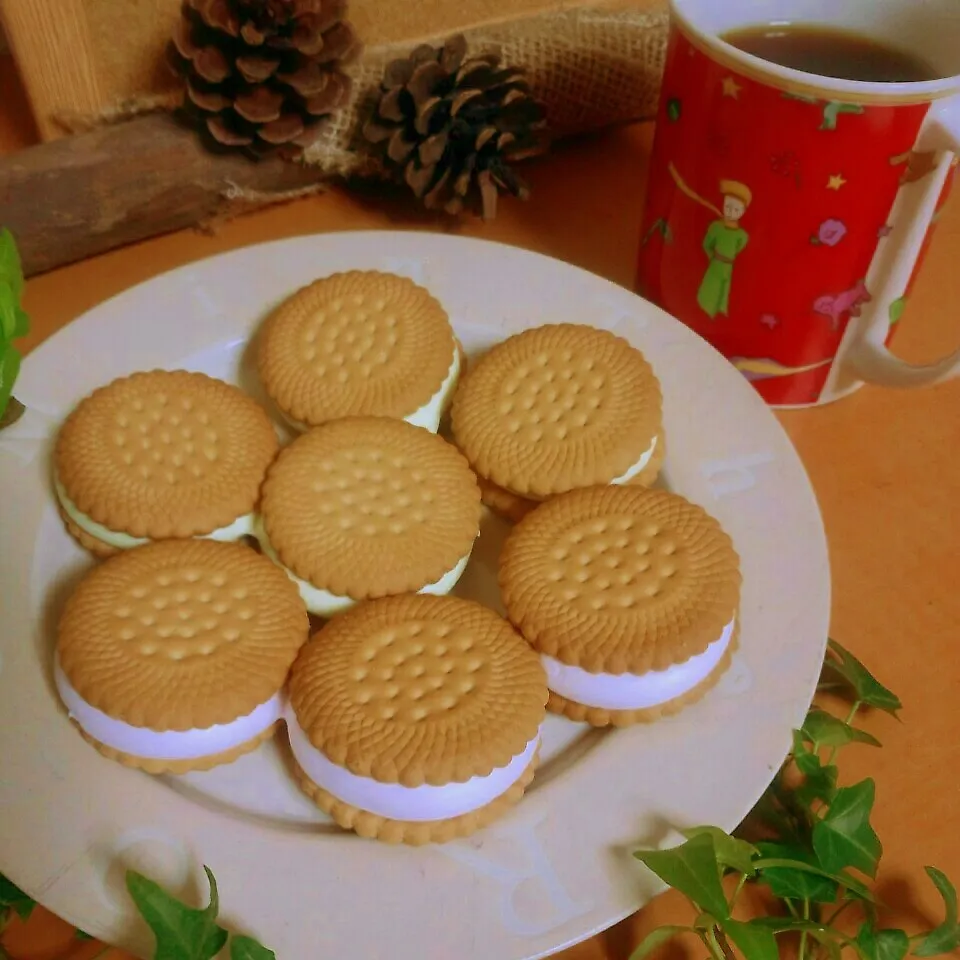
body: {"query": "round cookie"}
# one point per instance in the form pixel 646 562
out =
pixel 361 343
pixel 173 656
pixel 160 455
pixel 416 719
pixel 514 508
pixel 630 596
pixel 369 507
pixel 558 407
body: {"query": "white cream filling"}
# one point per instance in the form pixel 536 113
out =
pixel 638 466
pixel 241 527
pixel 166 744
pixel 430 414
pixel 397 802
pixel 325 604
pixel 627 691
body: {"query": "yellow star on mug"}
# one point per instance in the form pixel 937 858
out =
pixel 731 88
pixel 836 181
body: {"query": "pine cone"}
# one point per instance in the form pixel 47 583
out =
pixel 261 74
pixel 450 124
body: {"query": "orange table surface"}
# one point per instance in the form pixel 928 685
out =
pixel 885 466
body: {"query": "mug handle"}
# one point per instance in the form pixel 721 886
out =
pixel 868 356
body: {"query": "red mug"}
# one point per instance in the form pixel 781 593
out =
pixel 787 213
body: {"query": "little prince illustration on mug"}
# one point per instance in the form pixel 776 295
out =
pixel 724 241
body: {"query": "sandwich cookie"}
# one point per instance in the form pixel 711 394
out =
pixel 369 507
pixel 630 596
pixel 514 508
pixel 558 407
pixel 416 719
pixel 161 455
pixel 172 657
pixel 361 343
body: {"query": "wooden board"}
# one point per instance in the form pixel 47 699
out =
pixel 75 64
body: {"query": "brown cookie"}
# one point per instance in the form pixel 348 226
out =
pixel 433 693
pixel 556 408
pixel 369 507
pixel 514 508
pixel 361 343
pixel 172 656
pixel 161 455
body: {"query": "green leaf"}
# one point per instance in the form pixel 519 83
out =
pixel 692 869
pixel 8 311
pixel 796 884
pixel 731 852
pixel 841 663
pixel 13 898
pixel 83 935
pixel 820 780
pixel 754 941
pixel 882 944
pixel 946 937
pixel 11 269
pixel 655 938
pixel 22 326
pixel 181 932
pixel 896 310
pixel 9 368
pixel 674 109
pixel 855 888
pixel 825 730
pixel 246 948
pixel 844 837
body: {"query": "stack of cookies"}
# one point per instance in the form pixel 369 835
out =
pixel 411 716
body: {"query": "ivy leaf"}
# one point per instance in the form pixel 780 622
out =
pixel 825 730
pixel 882 944
pixel 246 948
pixel 83 935
pixel 693 869
pixel 674 109
pixel 9 368
pixel 820 780
pixel 794 884
pixel 655 938
pixel 843 837
pixel 853 889
pixel 22 326
pixel 827 936
pixel 731 852
pixel 13 898
pixel 181 932
pixel 8 311
pixel 11 268
pixel 946 937
pixel 841 663
pixel 754 940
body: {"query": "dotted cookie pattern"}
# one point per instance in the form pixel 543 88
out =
pixel 514 508
pixel 601 717
pixel 368 506
pixel 413 832
pixel 555 408
pixel 181 634
pixel 165 454
pixel 419 690
pixel 620 579
pixel 361 343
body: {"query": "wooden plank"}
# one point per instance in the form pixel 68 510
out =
pixel 83 195
pixel 51 42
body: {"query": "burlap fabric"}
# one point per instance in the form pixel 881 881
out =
pixel 592 67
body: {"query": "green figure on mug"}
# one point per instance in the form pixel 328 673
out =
pixel 724 241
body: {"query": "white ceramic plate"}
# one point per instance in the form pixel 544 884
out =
pixel 558 868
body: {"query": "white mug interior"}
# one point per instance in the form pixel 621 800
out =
pixel 929 29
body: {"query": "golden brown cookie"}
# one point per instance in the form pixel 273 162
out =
pixel 361 343
pixel 630 595
pixel 161 455
pixel 369 507
pixel 514 508
pixel 172 656
pixel 555 408
pixel 433 693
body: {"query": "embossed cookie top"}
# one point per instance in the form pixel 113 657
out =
pixel 356 343
pixel 181 634
pixel 620 579
pixel 370 506
pixel 557 407
pixel 165 454
pixel 419 690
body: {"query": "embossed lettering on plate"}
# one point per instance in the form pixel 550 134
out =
pixel 728 477
pixel 533 899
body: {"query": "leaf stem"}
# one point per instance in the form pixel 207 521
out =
pixel 725 945
pixel 792 909
pixel 836 913
pixel 710 939
pixel 736 893
pixel 803 936
pixel 848 721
